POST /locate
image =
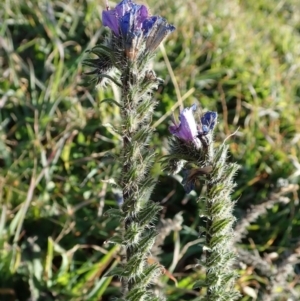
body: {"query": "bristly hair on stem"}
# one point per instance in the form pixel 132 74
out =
pixel 192 149
pixel 134 37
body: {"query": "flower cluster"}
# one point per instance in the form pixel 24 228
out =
pixel 133 23
pixel 135 35
pixel 188 131
pixel 197 136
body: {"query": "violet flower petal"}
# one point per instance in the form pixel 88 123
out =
pixel 141 16
pixel 132 20
pixel 109 19
pixel 126 22
pixel 123 7
pixel 148 24
pixel 187 129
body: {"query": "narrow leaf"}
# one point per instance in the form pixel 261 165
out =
pixel 110 100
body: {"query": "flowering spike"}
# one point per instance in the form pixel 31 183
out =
pixel 208 165
pixel 132 21
pixel 123 59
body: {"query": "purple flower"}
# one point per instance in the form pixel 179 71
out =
pixel 156 29
pixel 125 14
pixel 186 130
pixel 208 122
pixel 131 20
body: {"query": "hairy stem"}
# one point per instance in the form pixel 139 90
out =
pixel 219 232
pixel 208 237
pixel 136 184
pixel 128 190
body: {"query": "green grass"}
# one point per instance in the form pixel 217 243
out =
pixel 241 58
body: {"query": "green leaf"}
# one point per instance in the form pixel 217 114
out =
pixel 116 239
pixel 200 284
pixel 114 212
pixel 220 225
pixel 117 271
pixel 102 49
pixel 110 78
pixel 110 100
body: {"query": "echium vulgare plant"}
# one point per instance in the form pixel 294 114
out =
pixel 124 59
pixel 192 149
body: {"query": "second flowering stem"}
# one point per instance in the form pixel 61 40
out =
pixel 193 148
